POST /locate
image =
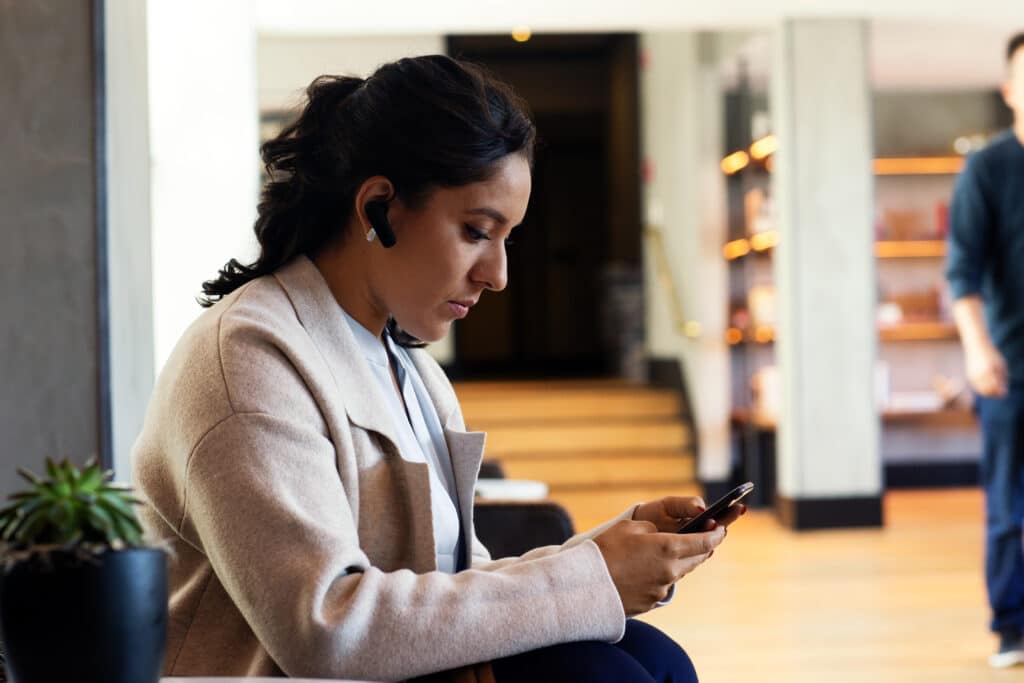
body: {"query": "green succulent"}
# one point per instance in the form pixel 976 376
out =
pixel 71 508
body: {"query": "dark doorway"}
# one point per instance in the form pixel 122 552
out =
pixel 582 231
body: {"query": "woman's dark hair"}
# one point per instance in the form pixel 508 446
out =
pixel 422 122
pixel 1015 43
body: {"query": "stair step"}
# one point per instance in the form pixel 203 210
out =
pixel 600 446
pixel 495 412
pixel 585 472
pixel 507 441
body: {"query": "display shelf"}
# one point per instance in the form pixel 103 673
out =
pixel 919 331
pixel 763 149
pixel 761 334
pixel 948 417
pixel 763 243
pixel 895 249
pixel 885 166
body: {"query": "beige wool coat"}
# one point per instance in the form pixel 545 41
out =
pixel 302 539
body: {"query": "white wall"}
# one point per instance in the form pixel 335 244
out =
pixel 319 17
pixel 203 145
pixel 684 198
pixel 287 64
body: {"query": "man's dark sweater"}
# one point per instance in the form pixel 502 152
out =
pixel 986 243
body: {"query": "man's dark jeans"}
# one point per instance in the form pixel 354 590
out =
pixel 1002 475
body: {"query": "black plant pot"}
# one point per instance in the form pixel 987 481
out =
pixel 88 621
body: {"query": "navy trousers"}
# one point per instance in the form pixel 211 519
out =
pixel 1002 475
pixel 644 655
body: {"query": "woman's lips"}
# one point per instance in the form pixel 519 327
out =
pixel 457 309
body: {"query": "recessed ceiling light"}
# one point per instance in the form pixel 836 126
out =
pixel 521 34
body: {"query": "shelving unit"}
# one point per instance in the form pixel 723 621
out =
pixel 916 255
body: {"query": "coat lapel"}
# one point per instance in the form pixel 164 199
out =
pixel 321 316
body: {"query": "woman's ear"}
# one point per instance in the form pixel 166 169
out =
pixel 370 208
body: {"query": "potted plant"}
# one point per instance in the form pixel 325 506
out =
pixel 82 598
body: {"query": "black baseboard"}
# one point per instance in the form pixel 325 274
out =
pixel 666 373
pixel 925 475
pixel 801 514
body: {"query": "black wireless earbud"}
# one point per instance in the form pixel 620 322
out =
pixel 377 213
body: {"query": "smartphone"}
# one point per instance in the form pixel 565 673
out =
pixel 717 510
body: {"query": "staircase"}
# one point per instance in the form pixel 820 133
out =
pixel 599 445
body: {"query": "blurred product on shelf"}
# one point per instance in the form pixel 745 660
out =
pixel 758 212
pixel 883 384
pixel 761 304
pixel 766 388
pixel 941 220
pixel 889 314
pixel 904 224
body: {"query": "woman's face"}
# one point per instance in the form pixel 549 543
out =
pixel 450 249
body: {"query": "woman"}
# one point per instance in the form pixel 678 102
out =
pixel 310 465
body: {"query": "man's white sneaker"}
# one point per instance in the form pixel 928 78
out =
pixel 1011 651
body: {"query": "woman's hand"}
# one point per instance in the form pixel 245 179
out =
pixel 644 564
pixel 668 514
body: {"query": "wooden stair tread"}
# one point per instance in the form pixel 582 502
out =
pixel 547 409
pixel 582 437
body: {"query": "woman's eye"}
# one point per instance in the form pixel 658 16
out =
pixel 476 235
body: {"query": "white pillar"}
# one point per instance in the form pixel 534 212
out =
pixel 130 300
pixel 685 199
pixel 829 466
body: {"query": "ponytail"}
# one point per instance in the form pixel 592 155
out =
pixel 297 167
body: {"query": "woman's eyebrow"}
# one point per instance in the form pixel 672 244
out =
pixel 491 213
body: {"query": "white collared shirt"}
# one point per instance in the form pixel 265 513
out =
pixel 420 436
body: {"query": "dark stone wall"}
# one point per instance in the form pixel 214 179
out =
pixel 49 342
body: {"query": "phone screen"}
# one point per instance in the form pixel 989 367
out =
pixel 717 509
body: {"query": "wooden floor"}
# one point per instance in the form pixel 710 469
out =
pixel 904 604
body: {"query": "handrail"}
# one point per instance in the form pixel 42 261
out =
pixel 685 328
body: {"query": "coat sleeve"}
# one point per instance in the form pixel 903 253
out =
pixel 971 228
pixel 482 558
pixel 265 503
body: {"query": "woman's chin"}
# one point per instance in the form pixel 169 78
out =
pixel 431 332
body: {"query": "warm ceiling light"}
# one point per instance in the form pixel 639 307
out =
pixel 764 147
pixel 735 249
pixel 764 334
pixel 521 34
pixel 735 162
pixel 763 241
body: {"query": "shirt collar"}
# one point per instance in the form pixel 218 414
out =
pixel 369 343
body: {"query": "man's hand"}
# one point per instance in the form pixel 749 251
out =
pixel 986 367
pixel 986 370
